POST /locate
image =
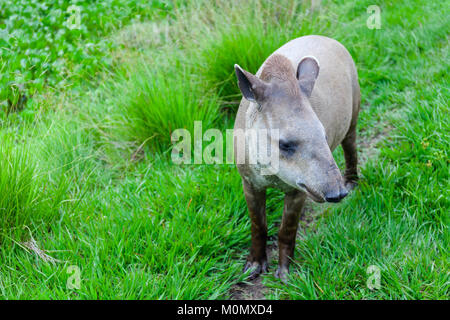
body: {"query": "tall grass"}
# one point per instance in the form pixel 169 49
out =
pixel 229 33
pixel 45 170
pixel 20 196
pixel 246 33
pixel 190 76
pixel 154 100
pixel 27 196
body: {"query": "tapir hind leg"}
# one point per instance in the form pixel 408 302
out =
pixel 256 203
pixel 351 158
pixel 293 205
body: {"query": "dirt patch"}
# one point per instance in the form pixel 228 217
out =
pixel 249 290
pixel 368 146
pixel 254 289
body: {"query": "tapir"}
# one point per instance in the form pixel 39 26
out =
pixel 308 91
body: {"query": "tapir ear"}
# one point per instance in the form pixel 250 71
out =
pixel 253 89
pixel 307 72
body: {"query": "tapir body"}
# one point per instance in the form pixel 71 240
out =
pixel 307 90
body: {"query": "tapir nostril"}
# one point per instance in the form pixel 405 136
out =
pixel 301 185
pixel 336 197
pixel 333 198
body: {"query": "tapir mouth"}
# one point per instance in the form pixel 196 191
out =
pixel 313 195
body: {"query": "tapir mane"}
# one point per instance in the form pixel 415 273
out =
pixel 279 68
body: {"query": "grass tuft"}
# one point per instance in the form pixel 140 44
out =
pixel 152 102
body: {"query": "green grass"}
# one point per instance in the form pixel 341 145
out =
pixel 20 194
pixel 86 171
pixel 38 50
pixel 29 196
pixel 152 105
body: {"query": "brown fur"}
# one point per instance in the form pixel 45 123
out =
pixel 280 68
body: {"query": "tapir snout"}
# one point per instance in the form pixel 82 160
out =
pixel 336 195
pixel 326 184
pixel 336 190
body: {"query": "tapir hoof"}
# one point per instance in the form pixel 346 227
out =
pixel 282 274
pixel 256 268
pixel 351 184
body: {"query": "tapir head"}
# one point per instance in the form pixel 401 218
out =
pixel 282 96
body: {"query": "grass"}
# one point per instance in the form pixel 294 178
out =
pixel 39 49
pixel 151 105
pixel 16 184
pixel 86 171
pixel 29 198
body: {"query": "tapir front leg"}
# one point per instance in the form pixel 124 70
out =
pixel 293 205
pixel 256 203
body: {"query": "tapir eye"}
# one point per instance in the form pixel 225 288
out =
pixel 288 147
